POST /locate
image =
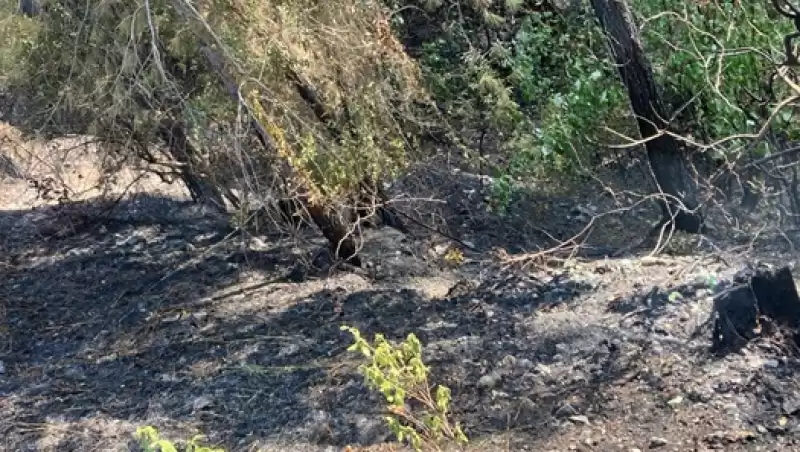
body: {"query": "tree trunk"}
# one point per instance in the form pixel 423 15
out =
pixel 679 203
pixel 763 302
pixel 173 134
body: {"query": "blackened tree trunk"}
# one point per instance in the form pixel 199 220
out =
pixel 173 133
pixel 679 204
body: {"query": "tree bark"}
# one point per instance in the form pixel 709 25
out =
pixel 173 134
pixel 669 164
pixel 763 302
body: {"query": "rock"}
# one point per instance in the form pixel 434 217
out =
pixel 201 403
pixel 490 380
pixel 658 441
pixel 499 395
pixel 771 363
pixel 198 318
pixel 369 429
pixel 508 361
pixel 288 349
pixel 543 369
pixel 791 405
pixel 524 363
pixel 675 401
pixel 440 249
pixel 526 405
pixel 581 419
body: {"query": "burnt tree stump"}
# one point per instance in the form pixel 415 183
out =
pixel 762 296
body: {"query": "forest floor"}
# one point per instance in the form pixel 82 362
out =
pixel 160 316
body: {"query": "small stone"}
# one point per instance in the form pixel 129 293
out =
pixel 581 419
pixel 771 363
pixel 562 348
pixel 107 358
pixel 524 363
pixel 199 315
pixel 289 349
pixel 169 378
pixel 499 394
pixel 508 361
pixel 174 317
pixel 634 449
pixel 674 402
pixel 440 249
pixel 489 381
pixel 657 441
pixel 201 402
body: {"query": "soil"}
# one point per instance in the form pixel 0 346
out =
pixel 164 315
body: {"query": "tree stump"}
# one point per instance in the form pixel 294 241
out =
pixel 763 296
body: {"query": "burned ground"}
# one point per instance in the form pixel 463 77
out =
pixel 162 315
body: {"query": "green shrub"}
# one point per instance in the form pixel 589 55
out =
pixel 399 374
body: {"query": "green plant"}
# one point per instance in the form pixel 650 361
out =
pixel 399 374
pixel 500 192
pixel 720 54
pixel 150 441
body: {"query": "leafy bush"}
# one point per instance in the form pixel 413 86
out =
pixel 542 82
pixel 18 35
pixel 722 53
pixel 399 374
pixel 560 68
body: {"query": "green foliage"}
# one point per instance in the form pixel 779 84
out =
pixel 18 35
pixel 543 83
pixel 399 374
pixel 561 70
pixel 721 52
pixel 150 441
pixel 501 191
pixel 546 91
pixel 117 69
